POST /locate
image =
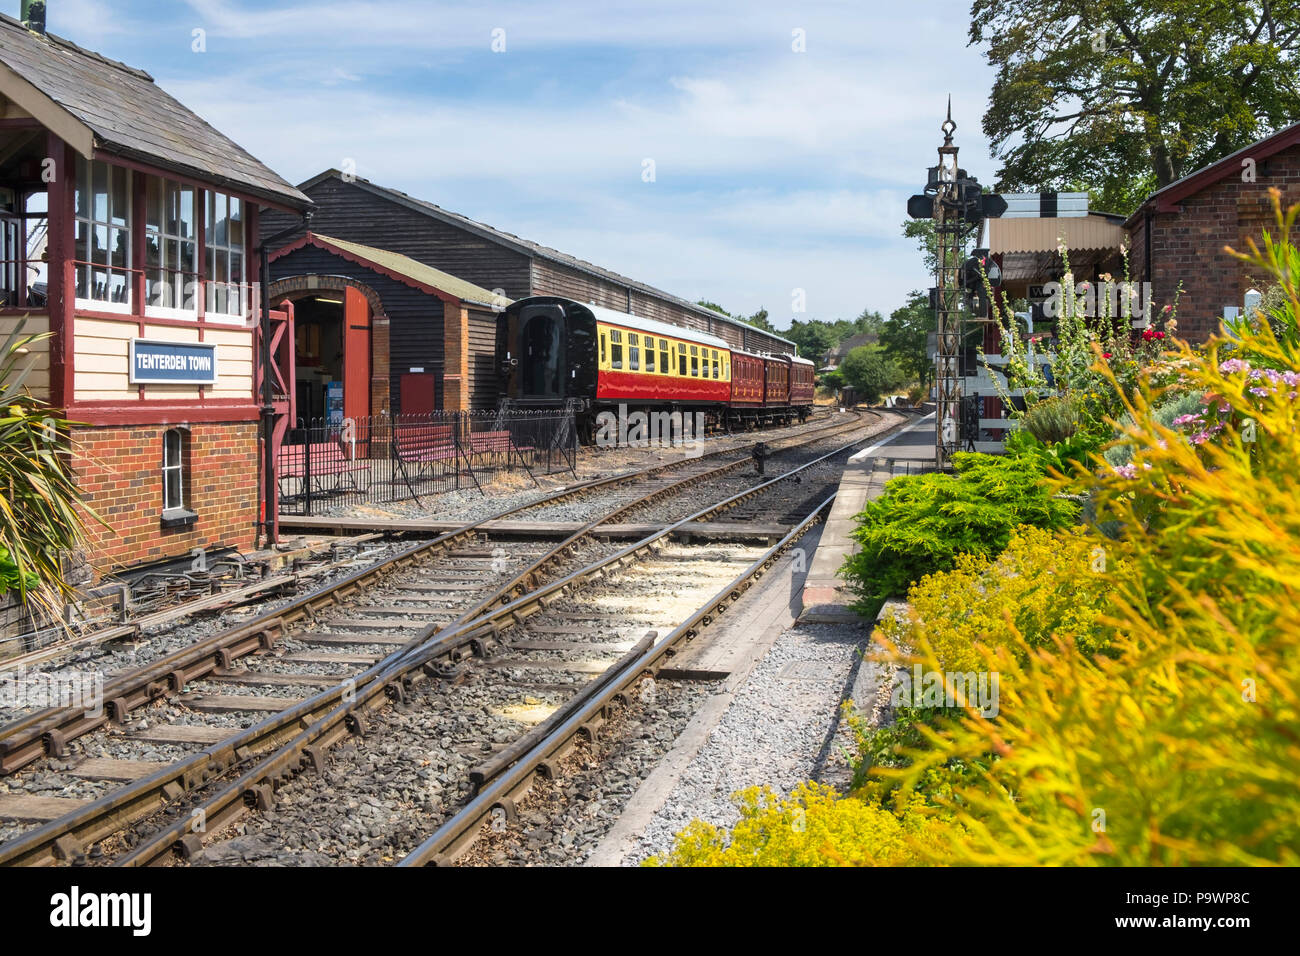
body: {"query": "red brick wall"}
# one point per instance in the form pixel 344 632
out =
pixel 120 471
pixel 1187 245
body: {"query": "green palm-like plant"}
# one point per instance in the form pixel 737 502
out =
pixel 41 509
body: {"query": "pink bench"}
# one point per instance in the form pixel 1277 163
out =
pixel 321 460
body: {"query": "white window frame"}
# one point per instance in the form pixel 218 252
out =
pixel 163 236
pixel 213 251
pixel 90 223
pixel 178 466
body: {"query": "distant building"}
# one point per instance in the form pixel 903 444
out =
pixel 835 357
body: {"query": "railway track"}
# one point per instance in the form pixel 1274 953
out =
pixel 500 782
pixel 602 496
pixel 548 642
pixel 319 643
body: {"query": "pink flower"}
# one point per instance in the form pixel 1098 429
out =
pixel 1229 366
pixel 1126 471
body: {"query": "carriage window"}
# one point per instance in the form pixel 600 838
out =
pixel 634 352
pixel 716 370
pixel 603 347
pixel 615 348
pixel 681 359
pixel 663 356
pixel 649 354
pixel 726 371
pixel 695 361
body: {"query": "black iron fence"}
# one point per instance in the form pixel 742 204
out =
pixel 335 464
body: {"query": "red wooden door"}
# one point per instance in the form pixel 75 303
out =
pixel 416 393
pixel 356 355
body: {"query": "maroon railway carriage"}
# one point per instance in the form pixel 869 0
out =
pixel 776 392
pixel 802 382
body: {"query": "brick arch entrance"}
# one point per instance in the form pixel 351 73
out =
pixel 365 330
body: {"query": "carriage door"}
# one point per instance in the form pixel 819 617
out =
pixel 541 348
pixel 356 354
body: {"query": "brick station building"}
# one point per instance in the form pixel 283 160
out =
pixel 1178 233
pixel 129 227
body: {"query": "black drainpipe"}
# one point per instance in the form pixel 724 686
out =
pixel 268 401
pixel 33 15
pixel 1147 250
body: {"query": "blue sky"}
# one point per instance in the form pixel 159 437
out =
pixel 774 170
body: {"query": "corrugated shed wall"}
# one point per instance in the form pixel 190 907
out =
pixel 348 211
pixel 482 373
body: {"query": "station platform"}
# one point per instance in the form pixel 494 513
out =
pixel 825 598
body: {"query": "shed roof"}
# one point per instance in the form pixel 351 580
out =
pixel 94 102
pixel 402 268
pixel 527 246
pixel 1167 198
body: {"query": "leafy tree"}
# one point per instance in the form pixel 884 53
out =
pixel 1120 95
pixel 714 306
pixel 871 372
pixel 868 321
pixel 832 379
pixel 922 230
pixel 759 320
pixel 905 337
pixel 814 337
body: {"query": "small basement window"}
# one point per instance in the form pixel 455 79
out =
pixel 175 511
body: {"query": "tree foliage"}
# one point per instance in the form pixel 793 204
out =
pixel 905 338
pixel 1123 95
pixel 868 369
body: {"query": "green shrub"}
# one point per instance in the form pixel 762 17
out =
pixel 921 523
pixel 1165 414
pixel 1061 456
pixel 1052 420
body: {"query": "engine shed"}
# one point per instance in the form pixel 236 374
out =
pixel 400 336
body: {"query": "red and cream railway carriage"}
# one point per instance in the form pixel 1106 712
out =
pixel 554 352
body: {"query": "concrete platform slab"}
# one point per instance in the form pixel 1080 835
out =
pixel 825 598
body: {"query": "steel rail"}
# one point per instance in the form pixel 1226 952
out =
pixel 255 788
pixel 506 780
pixel 67 836
pixel 47 732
